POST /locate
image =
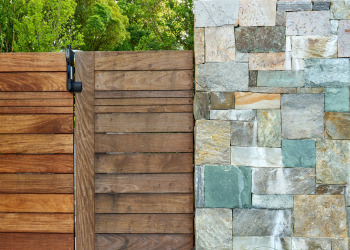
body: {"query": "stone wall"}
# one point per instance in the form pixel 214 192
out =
pixel 272 140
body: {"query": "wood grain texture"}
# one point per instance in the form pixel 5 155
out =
pixel 144 241
pixel 55 163
pixel 37 203
pixel 143 80
pixel 36 223
pixel 145 142
pixel 19 62
pixel 37 103
pixel 142 101
pixel 144 109
pixel 144 163
pixel 143 183
pixel 144 223
pixel 36 124
pixel 36 183
pixel 142 93
pixel 36 110
pixel 85 189
pixel 36 143
pixel 143 122
pixel 144 60
pixel 144 203
pixel 35 95
pixel 36 241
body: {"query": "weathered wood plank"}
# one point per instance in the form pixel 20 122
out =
pixel 36 110
pixel 36 223
pixel 144 241
pixel 35 95
pixel 144 223
pixel 145 142
pixel 143 183
pixel 143 203
pixel 37 103
pixel 142 93
pixel 36 143
pixel 36 183
pixel 17 62
pixel 143 122
pixel 141 101
pixel 144 109
pixel 150 60
pixel 144 163
pixel 35 124
pixel 36 241
pixel 37 203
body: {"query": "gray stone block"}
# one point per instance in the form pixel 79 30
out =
pixel 311 243
pixel 256 157
pixel 233 115
pixel 244 133
pixel 269 128
pixel 272 201
pixel 281 78
pixel 261 243
pixel 294 5
pixel 201 103
pixel 199 186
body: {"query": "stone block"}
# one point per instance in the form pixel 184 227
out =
pixel 347 194
pixel 298 64
pixel 340 244
pixel 222 100
pixel 282 78
pixel 327 72
pixel 242 57
pixel 330 189
pixel 272 201
pixel 269 128
pixel 340 9
pixel 201 105
pixel 261 243
pixel 280 17
pixel 337 100
pixel 212 144
pixel 253 78
pixel 213 228
pixel 317 6
pixel 337 125
pixel 344 38
pixel 256 157
pixel 310 90
pixel 243 133
pixel 260 39
pixel 299 153
pixel 233 115
pixel 314 46
pixel 283 181
pixel 269 61
pixel 332 161
pixel 274 90
pixel 334 27
pixel 304 23
pixel 199 186
pixel 249 100
pixel 199 44
pixel 220 44
pixel 257 13
pixel 294 5
pixel 348 219
pixel 227 187
pixel 319 216
pixel 222 77
pixel 262 222
pixel 302 116
pixel 311 243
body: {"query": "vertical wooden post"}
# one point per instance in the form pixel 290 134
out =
pixel 84 139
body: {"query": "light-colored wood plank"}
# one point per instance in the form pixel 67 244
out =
pixel 36 110
pixel 142 93
pixel 144 60
pixel 36 95
pixel 37 103
pixel 143 183
pixel 142 101
pixel 37 203
pixel 144 109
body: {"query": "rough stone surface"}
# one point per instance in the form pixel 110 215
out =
pixel 222 100
pixel 213 228
pixel 269 61
pixel 233 115
pixel 199 186
pixel 256 157
pixel 332 161
pixel 212 144
pixel 314 46
pixel 310 90
pixel 260 39
pixel 283 181
pixel 261 243
pixel 199 56
pixel 272 201
pixel 327 72
pixel 347 194
pixel 274 90
pixel 220 44
pixel 302 116
pixel 294 5
pixel 253 78
pixel 319 216
pixel 340 9
pixel 330 189
pixel 249 100
pixel 303 23
pixel 299 153
pixel 241 57
pixel 244 134
pixel 257 13
pixel 282 78
pixel 317 6
pixel 298 64
pixel 227 187
pixel 201 105
pixel 269 128
pixel 337 100
pixel 348 219
pixel 334 25
pixel 340 244
pixel 337 125
pixel 280 17
pixel 344 38
pixel 311 243
pixel 225 77
pixel 262 222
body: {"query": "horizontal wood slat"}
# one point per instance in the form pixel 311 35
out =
pixel 143 183
pixel 36 110
pixel 144 203
pixel 37 203
pixel 152 142
pixel 144 60
pixel 144 163
pixel 36 183
pixel 35 95
pixel 36 223
pixel 144 241
pixel 144 109
pixel 37 103
pixel 142 93
pixel 142 101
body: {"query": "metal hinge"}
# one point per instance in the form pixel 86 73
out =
pixel 72 85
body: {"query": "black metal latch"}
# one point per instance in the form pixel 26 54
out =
pixel 72 85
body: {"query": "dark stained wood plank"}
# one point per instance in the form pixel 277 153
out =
pixel 144 109
pixel 144 60
pixel 35 124
pixel 144 223
pixel 84 136
pixel 144 163
pixel 36 223
pixel 37 203
pixel 36 110
pixel 143 203
pixel 35 95
pixel 143 183
pixel 142 93
pixel 36 241
pixel 37 103
pixel 144 241
pixel 17 62
pixel 145 142
pixel 141 101
pixel 144 80
pixel 36 183
pixel 54 163
pixel 143 122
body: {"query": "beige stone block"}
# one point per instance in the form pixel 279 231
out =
pixel 314 46
pixel 220 44
pixel 257 13
pixel 199 45
pixel 344 38
pixel 268 61
pixel 249 100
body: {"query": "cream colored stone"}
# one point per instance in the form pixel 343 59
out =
pixel 220 44
pixel 344 38
pixel 298 64
pixel 199 45
pixel 314 46
pixel 257 13
pixel 268 61
pixel 249 100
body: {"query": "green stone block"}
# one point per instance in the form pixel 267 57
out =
pixel 280 78
pixel 337 100
pixel 299 153
pixel 227 187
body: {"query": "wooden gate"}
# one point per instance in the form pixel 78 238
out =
pixel 134 135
